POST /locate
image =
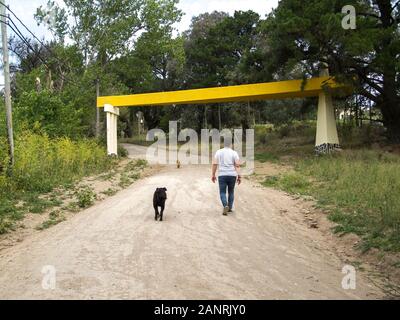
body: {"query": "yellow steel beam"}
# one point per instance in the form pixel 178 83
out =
pixel 247 92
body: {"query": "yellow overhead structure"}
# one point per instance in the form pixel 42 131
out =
pixel 248 92
pixel 326 137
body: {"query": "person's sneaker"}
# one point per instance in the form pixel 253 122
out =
pixel 230 211
pixel 225 212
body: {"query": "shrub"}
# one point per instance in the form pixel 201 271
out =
pixel 42 163
pixel 122 152
pixel 85 197
pixel 55 217
pixel 47 113
pixel 284 131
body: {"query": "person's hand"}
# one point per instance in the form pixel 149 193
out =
pixel 239 180
pixel 213 179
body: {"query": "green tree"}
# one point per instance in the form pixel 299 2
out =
pixel 302 34
pixel 155 64
pixel 217 46
pixel 107 29
pixel 203 60
pixel 45 112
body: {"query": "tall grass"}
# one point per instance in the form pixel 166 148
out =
pixel 364 188
pixel 360 187
pixel 42 163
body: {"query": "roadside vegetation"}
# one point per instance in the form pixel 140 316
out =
pixel 359 187
pixel 41 165
pixel 129 47
pixel 48 173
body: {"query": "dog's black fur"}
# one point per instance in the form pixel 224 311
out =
pixel 160 195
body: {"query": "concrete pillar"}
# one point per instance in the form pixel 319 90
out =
pixel 327 139
pixel 112 114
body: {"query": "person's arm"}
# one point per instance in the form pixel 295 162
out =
pixel 237 168
pixel 214 168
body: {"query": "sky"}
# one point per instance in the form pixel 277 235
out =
pixel 195 7
pixel 25 10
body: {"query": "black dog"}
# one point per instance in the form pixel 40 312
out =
pixel 160 195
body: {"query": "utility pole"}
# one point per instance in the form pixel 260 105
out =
pixel 7 90
pixel 97 109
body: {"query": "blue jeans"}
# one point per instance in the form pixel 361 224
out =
pixel 227 182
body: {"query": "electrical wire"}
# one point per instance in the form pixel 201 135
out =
pixel 32 33
pixel 24 40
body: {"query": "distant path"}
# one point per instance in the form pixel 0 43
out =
pixel 135 151
pixel 115 249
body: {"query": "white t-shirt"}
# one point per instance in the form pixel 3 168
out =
pixel 226 158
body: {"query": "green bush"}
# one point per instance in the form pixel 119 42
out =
pixel 42 163
pixel 122 152
pixel 352 136
pixel 55 217
pixel 261 133
pixel 284 131
pixel 85 197
pixel 45 112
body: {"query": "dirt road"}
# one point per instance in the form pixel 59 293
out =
pixel 116 249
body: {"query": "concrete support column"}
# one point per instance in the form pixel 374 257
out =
pixel 112 121
pixel 327 139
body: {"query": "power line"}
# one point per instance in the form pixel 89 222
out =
pixel 21 22
pixel 20 35
pixel 24 40
pixel 34 36
pixel 29 46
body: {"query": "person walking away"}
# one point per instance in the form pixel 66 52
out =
pixel 227 162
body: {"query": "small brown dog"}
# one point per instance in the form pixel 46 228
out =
pixel 178 164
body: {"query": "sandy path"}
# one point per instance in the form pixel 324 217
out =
pixel 116 250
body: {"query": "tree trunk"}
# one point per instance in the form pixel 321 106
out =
pixel 357 111
pixel 97 109
pixel 219 117
pixel 389 100
pixel 129 120
pixel 205 118
pixel 390 107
